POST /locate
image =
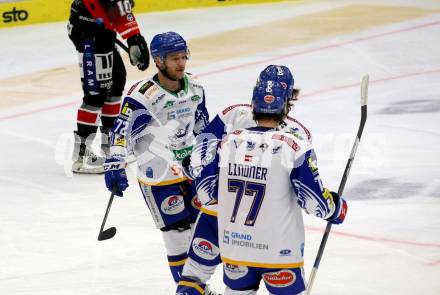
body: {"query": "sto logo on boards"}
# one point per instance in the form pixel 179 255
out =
pixel 15 15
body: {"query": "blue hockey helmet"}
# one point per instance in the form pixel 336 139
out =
pixel 166 43
pixel 280 74
pixel 269 97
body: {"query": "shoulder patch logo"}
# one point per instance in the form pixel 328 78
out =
pixel 128 109
pixel 195 98
pixel 145 87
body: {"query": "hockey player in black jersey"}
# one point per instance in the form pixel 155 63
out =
pixel 93 27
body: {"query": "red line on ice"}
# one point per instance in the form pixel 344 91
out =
pixel 278 58
pixel 433 263
pixel 409 75
pixel 377 239
pixel 335 45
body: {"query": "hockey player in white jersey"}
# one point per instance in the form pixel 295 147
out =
pixel 159 119
pixel 203 251
pixel 265 177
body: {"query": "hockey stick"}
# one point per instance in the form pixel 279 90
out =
pixel 364 95
pixel 110 232
pixel 122 45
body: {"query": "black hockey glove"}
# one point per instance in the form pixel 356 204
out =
pixel 138 50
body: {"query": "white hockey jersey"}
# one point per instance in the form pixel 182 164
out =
pixel 234 117
pixel 265 178
pixel 160 126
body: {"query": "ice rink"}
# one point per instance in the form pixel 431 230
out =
pixel 390 242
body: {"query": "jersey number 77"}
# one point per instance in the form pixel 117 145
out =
pixel 247 188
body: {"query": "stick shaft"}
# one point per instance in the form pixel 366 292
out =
pixel 364 95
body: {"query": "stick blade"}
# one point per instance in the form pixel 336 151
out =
pixel 107 234
pixel 364 89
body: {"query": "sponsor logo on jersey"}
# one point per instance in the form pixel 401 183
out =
pixel 168 104
pixel 282 278
pixel 159 98
pixel 225 111
pixel 247 158
pixel 133 87
pixel 151 92
pixel 285 252
pixel 226 237
pixel 180 113
pixel 237 142
pixel 172 205
pixel 145 87
pixel 269 99
pixel 240 236
pixel 309 136
pixel 242 240
pixel 149 172
pixel 263 147
pixel 195 98
pixel 205 249
pixel 297 135
pixel 181 132
pixel 182 153
pixel 290 142
pixel 127 109
pixel 276 150
pixel 312 165
pixel 120 141
pixel 235 272
pixel 15 15
pixel 250 145
pixel 243 113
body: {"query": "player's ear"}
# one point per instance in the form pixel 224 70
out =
pixel 160 62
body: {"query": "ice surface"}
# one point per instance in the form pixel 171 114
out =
pixel 390 243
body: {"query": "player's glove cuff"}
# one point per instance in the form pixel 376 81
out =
pixel 340 210
pixel 114 164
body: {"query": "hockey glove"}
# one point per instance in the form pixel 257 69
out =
pixel 115 175
pixel 138 50
pixel 340 211
pixel 186 165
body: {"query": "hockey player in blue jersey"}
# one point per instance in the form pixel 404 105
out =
pixel 203 251
pixel 159 120
pixel 269 173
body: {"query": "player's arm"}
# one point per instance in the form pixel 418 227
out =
pixel 206 179
pixel 116 15
pixel 312 196
pixel 131 123
pixel 201 116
